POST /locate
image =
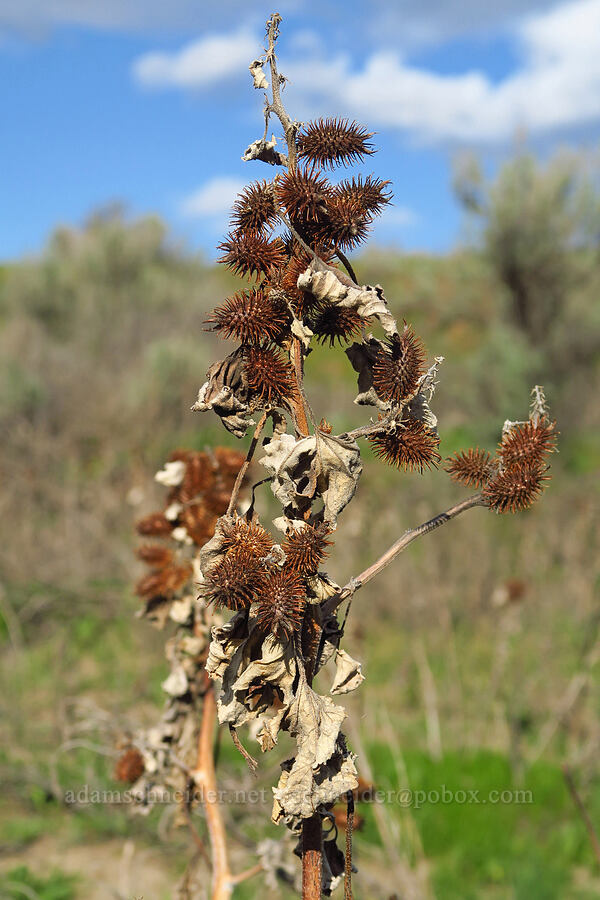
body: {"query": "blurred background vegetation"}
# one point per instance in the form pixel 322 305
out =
pixel 480 644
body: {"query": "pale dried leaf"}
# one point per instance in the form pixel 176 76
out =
pixel 322 768
pixel 304 470
pixel 258 76
pixel 326 283
pixel 227 393
pixel 257 672
pixel 419 407
pixel 176 684
pixel 181 610
pixel 302 332
pixel 171 475
pixel 265 151
pixel 156 610
pixel 348 673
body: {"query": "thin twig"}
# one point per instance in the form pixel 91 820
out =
pixel 240 476
pixel 252 763
pixel 276 106
pixel 589 825
pixel 346 262
pixel 247 873
pixel 392 552
pixel 192 829
pixel 348 859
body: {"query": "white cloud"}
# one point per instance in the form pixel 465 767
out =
pixel 397 217
pixel 556 86
pixel 213 200
pixel 122 15
pixel 388 22
pixel 197 65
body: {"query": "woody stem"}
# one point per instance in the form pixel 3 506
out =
pixel 205 779
pixel 240 476
pixel 392 552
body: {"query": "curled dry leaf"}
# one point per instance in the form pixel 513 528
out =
pixel 363 356
pixel 258 76
pixel 325 283
pixel 257 672
pixel 320 466
pixel 322 768
pixel 348 673
pixel 265 151
pixel 228 394
pixel 419 407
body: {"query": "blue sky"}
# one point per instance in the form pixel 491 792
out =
pixel 151 104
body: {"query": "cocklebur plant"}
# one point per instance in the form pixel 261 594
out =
pixel 288 241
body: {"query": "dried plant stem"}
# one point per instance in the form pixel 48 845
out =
pixel 252 763
pixel 205 780
pixel 347 264
pixel 592 834
pixel 312 861
pixel 289 127
pixel 247 873
pixel 276 104
pixel 251 451
pixel 195 836
pixel 300 405
pixel 348 855
pixel 392 552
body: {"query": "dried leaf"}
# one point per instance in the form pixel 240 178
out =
pixel 227 393
pixel 363 356
pixel 325 283
pixel 257 672
pixel 171 475
pixel 348 673
pixel 156 610
pixel 419 407
pixel 176 684
pixel 322 769
pixel 266 152
pixel 306 469
pixel 181 610
pixel 302 332
pixel 256 70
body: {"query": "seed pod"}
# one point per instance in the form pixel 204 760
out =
pixel 472 468
pixel 331 142
pixel 409 445
pixel 281 603
pixel 305 548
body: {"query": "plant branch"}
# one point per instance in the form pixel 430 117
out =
pixel 589 825
pixel 276 105
pixel 312 860
pixel 205 779
pixel 247 873
pixel 246 464
pixel 392 552
pixel 195 836
pixel 252 763
pixel 347 264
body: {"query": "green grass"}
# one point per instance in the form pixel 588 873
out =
pixel 21 884
pixel 485 832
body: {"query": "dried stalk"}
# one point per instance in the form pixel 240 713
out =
pixel 589 825
pixel 392 552
pixel 348 856
pixel 246 465
pixel 312 858
pixel 205 780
